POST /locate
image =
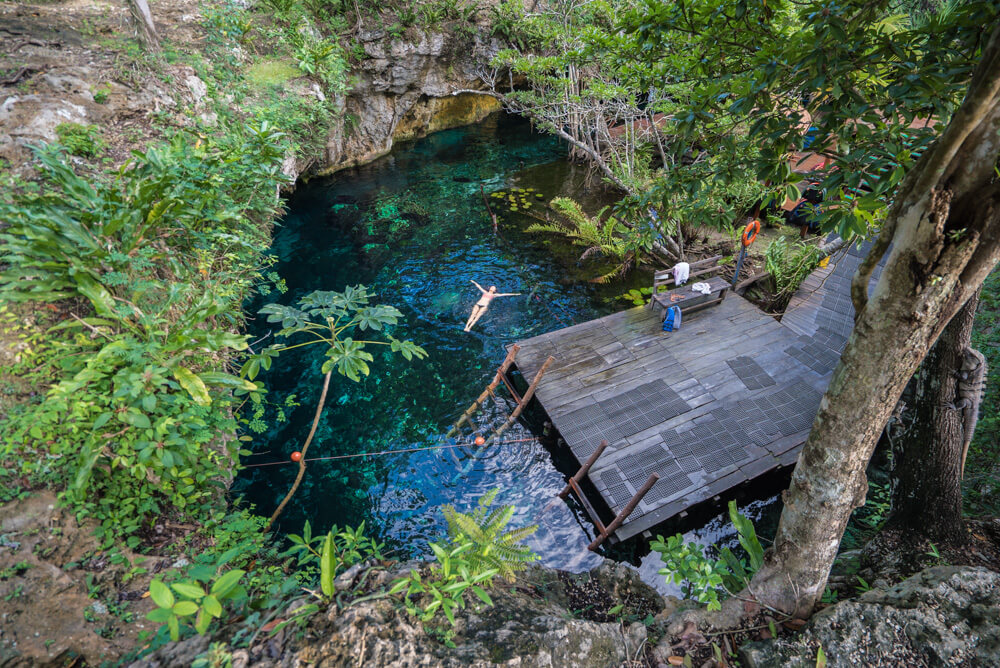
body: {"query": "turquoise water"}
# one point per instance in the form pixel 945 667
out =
pixel 413 227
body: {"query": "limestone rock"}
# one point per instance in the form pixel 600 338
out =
pixel 943 616
pixel 531 624
pixel 406 89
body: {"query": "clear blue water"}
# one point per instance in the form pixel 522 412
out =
pixel 413 227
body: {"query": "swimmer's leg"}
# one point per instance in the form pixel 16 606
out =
pixel 473 317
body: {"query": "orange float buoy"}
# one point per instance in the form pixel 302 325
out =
pixel 750 232
pixel 480 440
pixel 296 456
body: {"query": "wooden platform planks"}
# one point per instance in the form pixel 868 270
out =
pixel 727 398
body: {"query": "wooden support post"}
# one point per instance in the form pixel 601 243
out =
pixel 583 470
pixel 524 401
pixel 626 511
pixel 500 375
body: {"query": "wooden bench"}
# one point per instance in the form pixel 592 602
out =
pixel 702 271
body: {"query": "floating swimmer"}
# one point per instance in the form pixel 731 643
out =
pixel 484 302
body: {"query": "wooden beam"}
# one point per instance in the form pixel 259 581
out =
pixel 584 470
pixel 524 401
pixel 497 377
pixel 626 511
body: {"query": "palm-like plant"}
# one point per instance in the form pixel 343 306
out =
pixel 608 237
pixel 495 548
pixel 330 319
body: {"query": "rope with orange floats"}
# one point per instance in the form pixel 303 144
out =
pixel 479 441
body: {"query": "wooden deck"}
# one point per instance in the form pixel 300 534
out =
pixel 729 397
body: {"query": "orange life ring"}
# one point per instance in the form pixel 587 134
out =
pixel 748 238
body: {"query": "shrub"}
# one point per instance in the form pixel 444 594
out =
pixel 82 140
pixel 790 263
pixel 150 267
pixel 704 579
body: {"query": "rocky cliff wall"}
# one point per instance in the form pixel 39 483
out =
pixel 405 89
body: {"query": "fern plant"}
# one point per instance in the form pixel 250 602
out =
pixel 790 263
pixel 609 237
pixel 494 546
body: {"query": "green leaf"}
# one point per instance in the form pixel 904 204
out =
pixel 227 380
pixel 98 295
pixel 159 615
pixel 161 594
pixel 193 384
pixel 185 608
pixel 212 606
pixel 135 419
pixel 175 629
pixel 202 622
pixel 225 584
pixel 327 566
pixel 188 589
pixel 483 596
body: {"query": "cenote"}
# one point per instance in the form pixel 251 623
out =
pixel 413 227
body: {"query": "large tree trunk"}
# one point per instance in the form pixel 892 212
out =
pixel 944 227
pixel 927 498
pixel 144 24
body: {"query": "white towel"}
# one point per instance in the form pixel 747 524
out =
pixel 681 271
pixel 703 288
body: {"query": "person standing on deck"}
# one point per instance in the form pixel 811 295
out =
pixel 480 307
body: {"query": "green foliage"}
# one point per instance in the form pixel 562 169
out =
pixel 495 548
pixel 156 260
pixel 82 140
pixel 862 76
pixel 878 503
pixel 101 94
pixel 704 579
pixel 608 238
pixel 686 563
pixel 981 484
pixel 338 549
pixel 331 318
pixel 637 296
pixel 324 60
pixel 193 600
pixel 446 584
pixel 790 263
pixel 479 549
pixel 507 21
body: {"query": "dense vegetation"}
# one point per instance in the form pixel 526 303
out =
pixel 123 288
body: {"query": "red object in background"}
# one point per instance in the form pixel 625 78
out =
pixel 480 440
pixel 296 456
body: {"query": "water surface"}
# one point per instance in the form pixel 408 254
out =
pixel 414 228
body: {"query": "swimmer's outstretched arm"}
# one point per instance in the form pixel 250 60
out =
pixel 507 294
pixel 479 286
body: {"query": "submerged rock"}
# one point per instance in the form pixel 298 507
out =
pixel 943 616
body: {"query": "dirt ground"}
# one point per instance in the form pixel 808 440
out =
pixel 59 601
pixel 75 62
